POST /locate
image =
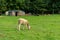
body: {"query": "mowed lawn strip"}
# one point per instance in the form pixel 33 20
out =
pixel 43 27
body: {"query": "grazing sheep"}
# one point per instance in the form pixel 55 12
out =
pixel 24 22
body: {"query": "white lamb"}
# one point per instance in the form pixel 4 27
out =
pixel 24 22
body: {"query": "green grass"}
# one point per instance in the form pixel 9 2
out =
pixel 42 28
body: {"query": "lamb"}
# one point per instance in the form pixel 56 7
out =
pixel 24 22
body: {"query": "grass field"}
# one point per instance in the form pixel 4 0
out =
pixel 42 28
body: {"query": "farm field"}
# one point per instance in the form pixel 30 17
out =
pixel 42 28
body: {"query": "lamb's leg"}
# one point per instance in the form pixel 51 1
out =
pixel 19 27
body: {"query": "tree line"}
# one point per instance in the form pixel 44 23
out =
pixel 32 6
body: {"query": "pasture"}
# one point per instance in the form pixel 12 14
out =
pixel 42 28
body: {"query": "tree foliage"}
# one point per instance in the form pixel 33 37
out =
pixel 33 6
